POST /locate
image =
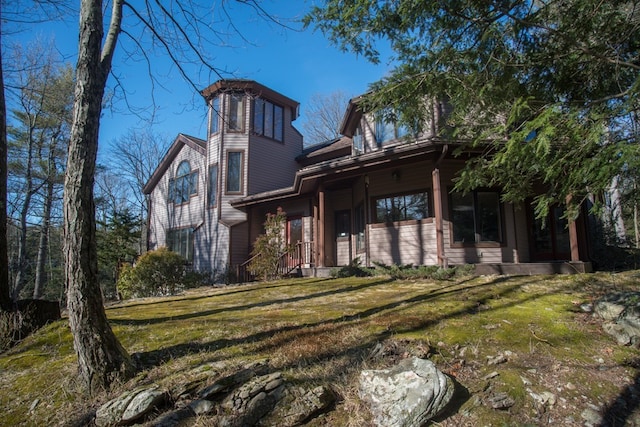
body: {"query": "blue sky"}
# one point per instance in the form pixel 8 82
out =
pixel 297 64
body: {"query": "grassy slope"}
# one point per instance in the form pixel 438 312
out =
pixel 321 331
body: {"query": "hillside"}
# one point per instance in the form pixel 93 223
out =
pixel 526 337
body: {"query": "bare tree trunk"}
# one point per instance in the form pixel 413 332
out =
pixel 43 243
pixel 19 281
pixel 5 298
pixel 101 358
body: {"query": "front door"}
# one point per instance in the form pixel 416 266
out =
pixel 549 236
pixel 342 226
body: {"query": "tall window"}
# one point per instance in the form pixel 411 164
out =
pixel 213 185
pixel 476 217
pixel 234 172
pixel 180 240
pixel 184 184
pixel 214 120
pixel 268 119
pixel 358 141
pixel 359 227
pixel 236 112
pixel 402 208
pixel 343 223
pixel 388 129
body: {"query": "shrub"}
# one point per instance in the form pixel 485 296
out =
pixel 433 272
pixel 156 273
pixel 270 247
pixel 354 269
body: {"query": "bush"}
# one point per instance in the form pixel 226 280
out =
pixel 354 269
pixel 433 272
pixel 156 273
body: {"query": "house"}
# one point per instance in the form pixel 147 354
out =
pixel 377 194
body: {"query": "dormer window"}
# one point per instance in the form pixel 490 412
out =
pixel 268 119
pixel 236 112
pixel 388 129
pixel 184 184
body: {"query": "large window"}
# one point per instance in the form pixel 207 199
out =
pixel 234 172
pixel 180 240
pixel 359 227
pixel 214 120
pixel 476 217
pixel 236 112
pixel 388 129
pixel 268 119
pixel 343 223
pixel 213 185
pixel 358 141
pixel 414 206
pixel 184 184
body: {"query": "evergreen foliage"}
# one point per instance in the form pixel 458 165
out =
pixel 547 90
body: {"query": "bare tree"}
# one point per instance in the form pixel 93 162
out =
pixel 177 28
pixel 5 299
pixel 324 114
pixel 44 92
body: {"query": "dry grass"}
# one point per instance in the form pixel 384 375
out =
pixel 322 331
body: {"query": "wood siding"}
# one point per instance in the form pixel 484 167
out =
pixel 166 215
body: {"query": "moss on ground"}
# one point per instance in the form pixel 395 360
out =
pixel 326 330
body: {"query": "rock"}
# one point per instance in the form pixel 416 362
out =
pixel 501 358
pixel 202 406
pixel 500 401
pixel 299 406
pixel 227 382
pixel 129 407
pixel 621 311
pixel 591 417
pixel 253 400
pixel 407 395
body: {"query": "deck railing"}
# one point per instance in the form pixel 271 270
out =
pixel 300 255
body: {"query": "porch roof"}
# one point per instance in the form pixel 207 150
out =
pixel 306 179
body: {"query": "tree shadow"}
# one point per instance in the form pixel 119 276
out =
pixel 304 330
pixel 620 409
pixel 131 322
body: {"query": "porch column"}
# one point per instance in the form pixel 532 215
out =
pixel 321 224
pixel 573 236
pixel 437 210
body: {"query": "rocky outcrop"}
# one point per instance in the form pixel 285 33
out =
pixel 621 314
pixel 129 407
pixel 407 395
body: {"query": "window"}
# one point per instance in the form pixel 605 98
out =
pixel 214 118
pixel 213 185
pixel 388 129
pixel 476 217
pixel 268 119
pixel 343 223
pixel 234 172
pixel 359 227
pixel 180 241
pixel 358 142
pixel 404 207
pixel 236 112
pixel 184 184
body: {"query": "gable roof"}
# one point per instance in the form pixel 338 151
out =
pixel 181 140
pixel 254 88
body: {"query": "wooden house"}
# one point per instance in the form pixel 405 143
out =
pixel 376 194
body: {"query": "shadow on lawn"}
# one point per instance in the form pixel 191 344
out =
pixel 277 337
pixel 131 322
pixel 620 409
